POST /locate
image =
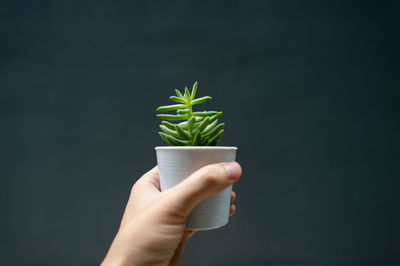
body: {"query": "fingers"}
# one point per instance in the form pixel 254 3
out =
pixel 150 181
pixel 232 210
pixel 203 183
pixel 233 197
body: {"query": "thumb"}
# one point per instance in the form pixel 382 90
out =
pixel 203 183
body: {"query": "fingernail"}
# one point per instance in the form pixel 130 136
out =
pixel 233 170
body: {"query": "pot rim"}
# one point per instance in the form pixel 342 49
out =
pixel 196 148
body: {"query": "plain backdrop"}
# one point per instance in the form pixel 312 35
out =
pixel 310 95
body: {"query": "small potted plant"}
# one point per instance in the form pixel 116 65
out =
pixel 193 137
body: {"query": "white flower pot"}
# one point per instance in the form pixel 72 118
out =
pixel 175 163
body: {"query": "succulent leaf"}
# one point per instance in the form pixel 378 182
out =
pixel 197 119
pixel 210 127
pixel 183 111
pixel 203 125
pixel 197 139
pixel 167 108
pixel 201 100
pixel 179 94
pixel 214 140
pixel 182 133
pixel 187 94
pixel 177 99
pixel 213 143
pixel 191 122
pixel 171 139
pixel 172 117
pixel 168 140
pixel 168 125
pixel 215 117
pixel 194 90
pixel 215 130
pixel 204 141
pixel 206 113
pixel 169 131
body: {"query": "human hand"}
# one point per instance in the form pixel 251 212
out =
pixel 152 230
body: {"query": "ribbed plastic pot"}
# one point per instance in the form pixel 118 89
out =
pixel 175 163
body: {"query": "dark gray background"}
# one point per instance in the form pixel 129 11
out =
pixel 309 90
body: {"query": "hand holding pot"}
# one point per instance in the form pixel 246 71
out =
pixel 152 230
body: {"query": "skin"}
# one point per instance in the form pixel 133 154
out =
pixel 152 230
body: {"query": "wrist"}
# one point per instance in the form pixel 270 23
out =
pixel 120 253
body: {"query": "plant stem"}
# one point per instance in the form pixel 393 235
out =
pixel 189 106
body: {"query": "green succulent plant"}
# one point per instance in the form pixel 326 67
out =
pixel 198 129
